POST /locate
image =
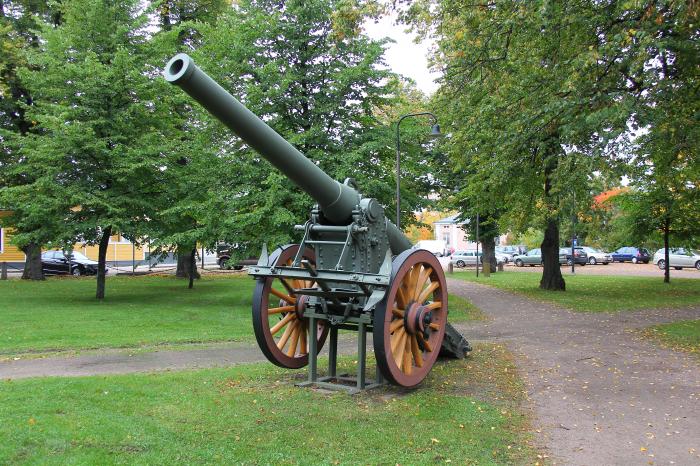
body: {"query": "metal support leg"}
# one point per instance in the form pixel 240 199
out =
pixel 361 355
pixel 333 352
pixel 313 350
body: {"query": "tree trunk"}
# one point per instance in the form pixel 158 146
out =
pixel 488 253
pixel 193 267
pixel 32 264
pixel 551 270
pixel 102 262
pixel 667 265
pixel 185 263
pixel 551 273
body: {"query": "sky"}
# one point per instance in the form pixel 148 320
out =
pixel 404 56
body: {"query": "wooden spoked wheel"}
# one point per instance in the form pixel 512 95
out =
pixel 409 323
pixel 280 328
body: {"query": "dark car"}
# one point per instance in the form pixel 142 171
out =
pixel 580 256
pixel 223 255
pixel 635 255
pixel 57 263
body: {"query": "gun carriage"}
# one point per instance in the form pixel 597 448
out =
pixel 353 269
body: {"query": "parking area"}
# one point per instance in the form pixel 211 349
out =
pixel 617 268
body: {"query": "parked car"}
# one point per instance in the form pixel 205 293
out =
pixel 596 256
pixel 580 256
pixel 677 258
pixel 223 254
pixel 57 263
pixel 502 258
pixel 464 258
pixel 635 255
pixel 534 257
pixel 508 252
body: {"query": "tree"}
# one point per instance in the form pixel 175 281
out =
pixel 176 228
pixel 18 22
pixel 312 76
pixel 100 122
pixel 536 88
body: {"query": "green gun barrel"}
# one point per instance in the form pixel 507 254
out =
pixel 336 200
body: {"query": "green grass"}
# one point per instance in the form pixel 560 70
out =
pixel 61 314
pixel 599 293
pixel 468 412
pixel 683 335
pixel 463 310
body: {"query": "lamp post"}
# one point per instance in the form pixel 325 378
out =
pixel 434 132
pixel 477 245
pixel 573 235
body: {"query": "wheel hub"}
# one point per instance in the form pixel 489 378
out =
pixel 417 319
pixel 300 306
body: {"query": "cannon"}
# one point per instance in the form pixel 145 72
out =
pixel 353 269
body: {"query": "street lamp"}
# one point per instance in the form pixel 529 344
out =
pixel 434 132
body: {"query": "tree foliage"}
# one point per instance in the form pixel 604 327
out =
pixel 542 94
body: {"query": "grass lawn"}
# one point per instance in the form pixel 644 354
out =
pixel 467 412
pixel 62 314
pixel 599 293
pixel 683 335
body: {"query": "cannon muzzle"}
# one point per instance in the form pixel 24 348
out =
pixel 336 200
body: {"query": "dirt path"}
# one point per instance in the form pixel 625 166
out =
pixel 600 394
pixel 120 361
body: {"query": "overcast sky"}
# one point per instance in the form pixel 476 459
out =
pixel 404 56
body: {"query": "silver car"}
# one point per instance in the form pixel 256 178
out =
pixel 534 257
pixel 596 256
pixel 677 258
pixel 464 258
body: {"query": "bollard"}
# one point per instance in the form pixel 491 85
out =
pixel 486 269
pixel 450 268
pixel 500 266
pixel 3 272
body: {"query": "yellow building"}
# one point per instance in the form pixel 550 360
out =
pixel 119 251
pixel 8 251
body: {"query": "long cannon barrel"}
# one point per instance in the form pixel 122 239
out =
pixel 336 200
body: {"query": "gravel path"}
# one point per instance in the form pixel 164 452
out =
pixel 600 394
pixel 119 361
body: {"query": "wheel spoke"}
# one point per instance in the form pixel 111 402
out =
pixel 285 336
pixel 407 357
pixel 293 340
pixel 426 292
pixel 285 320
pixel 288 287
pixel 417 353
pixel 395 339
pixel 279 310
pixel 400 349
pixel 425 274
pixel 412 278
pixel 434 326
pixel 425 343
pixel 398 312
pixel 395 325
pixel 434 305
pixel 280 295
pixel 401 300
